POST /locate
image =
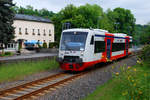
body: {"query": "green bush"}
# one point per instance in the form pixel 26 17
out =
pixel 2 54
pixel 53 45
pixel 39 46
pixel 20 46
pixel 145 53
pixel 44 45
pixel 8 53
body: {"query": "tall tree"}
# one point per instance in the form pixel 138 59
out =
pixel 91 14
pixel 80 17
pixel 145 36
pixel 105 23
pixel 6 21
pixel 29 10
pixel 123 20
pixel 65 15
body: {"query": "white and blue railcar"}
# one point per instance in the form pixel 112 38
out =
pixel 82 48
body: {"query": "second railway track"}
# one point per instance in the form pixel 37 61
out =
pixel 35 88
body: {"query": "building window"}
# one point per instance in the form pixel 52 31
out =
pixel 49 32
pixel 26 31
pixel 44 33
pixel 38 31
pixel 33 32
pixel 1 46
pixel 8 46
pixel 12 45
pixel 20 31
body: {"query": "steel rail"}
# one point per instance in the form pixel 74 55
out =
pixel 3 92
pixel 19 89
pixel 36 92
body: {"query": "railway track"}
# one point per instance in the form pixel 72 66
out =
pixel 36 88
pixel 39 87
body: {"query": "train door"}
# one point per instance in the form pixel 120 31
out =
pixel 127 46
pixel 108 48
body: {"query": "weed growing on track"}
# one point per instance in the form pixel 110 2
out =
pixel 18 70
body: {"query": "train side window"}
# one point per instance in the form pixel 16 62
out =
pixel 99 46
pixel 118 47
pixel 92 40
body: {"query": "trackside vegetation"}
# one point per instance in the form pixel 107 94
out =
pixel 131 83
pixel 9 72
pixel 6 54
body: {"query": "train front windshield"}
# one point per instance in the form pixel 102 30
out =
pixel 73 41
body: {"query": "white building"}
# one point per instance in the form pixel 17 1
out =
pixel 32 28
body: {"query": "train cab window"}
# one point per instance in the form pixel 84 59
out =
pixel 99 46
pixel 92 40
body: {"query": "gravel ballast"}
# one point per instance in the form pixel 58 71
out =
pixel 80 88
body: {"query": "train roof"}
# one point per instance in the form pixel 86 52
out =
pixel 97 31
pixel 76 29
pixel 86 30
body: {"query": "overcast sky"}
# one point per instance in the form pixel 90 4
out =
pixel 140 8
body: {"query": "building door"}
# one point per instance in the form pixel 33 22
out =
pixel 108 48
pixel 127 47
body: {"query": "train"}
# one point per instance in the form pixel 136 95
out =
pixel 83 48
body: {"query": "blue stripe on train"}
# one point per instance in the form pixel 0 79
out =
pixel 110 36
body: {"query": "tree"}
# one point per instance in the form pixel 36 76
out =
pixel 86 16
pixel 29 10
pixel 6 21
pixel 65 15
pixel 123 20
pixel 91 15
pixel 106 23
pixel 145 36
pixel 119 20
pixel 138 37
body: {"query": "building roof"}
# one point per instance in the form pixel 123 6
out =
pixel 32 18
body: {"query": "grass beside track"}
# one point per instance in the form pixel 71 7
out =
pixel 130 84
pixel 9 72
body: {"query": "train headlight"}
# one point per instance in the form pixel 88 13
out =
pixel 103 56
